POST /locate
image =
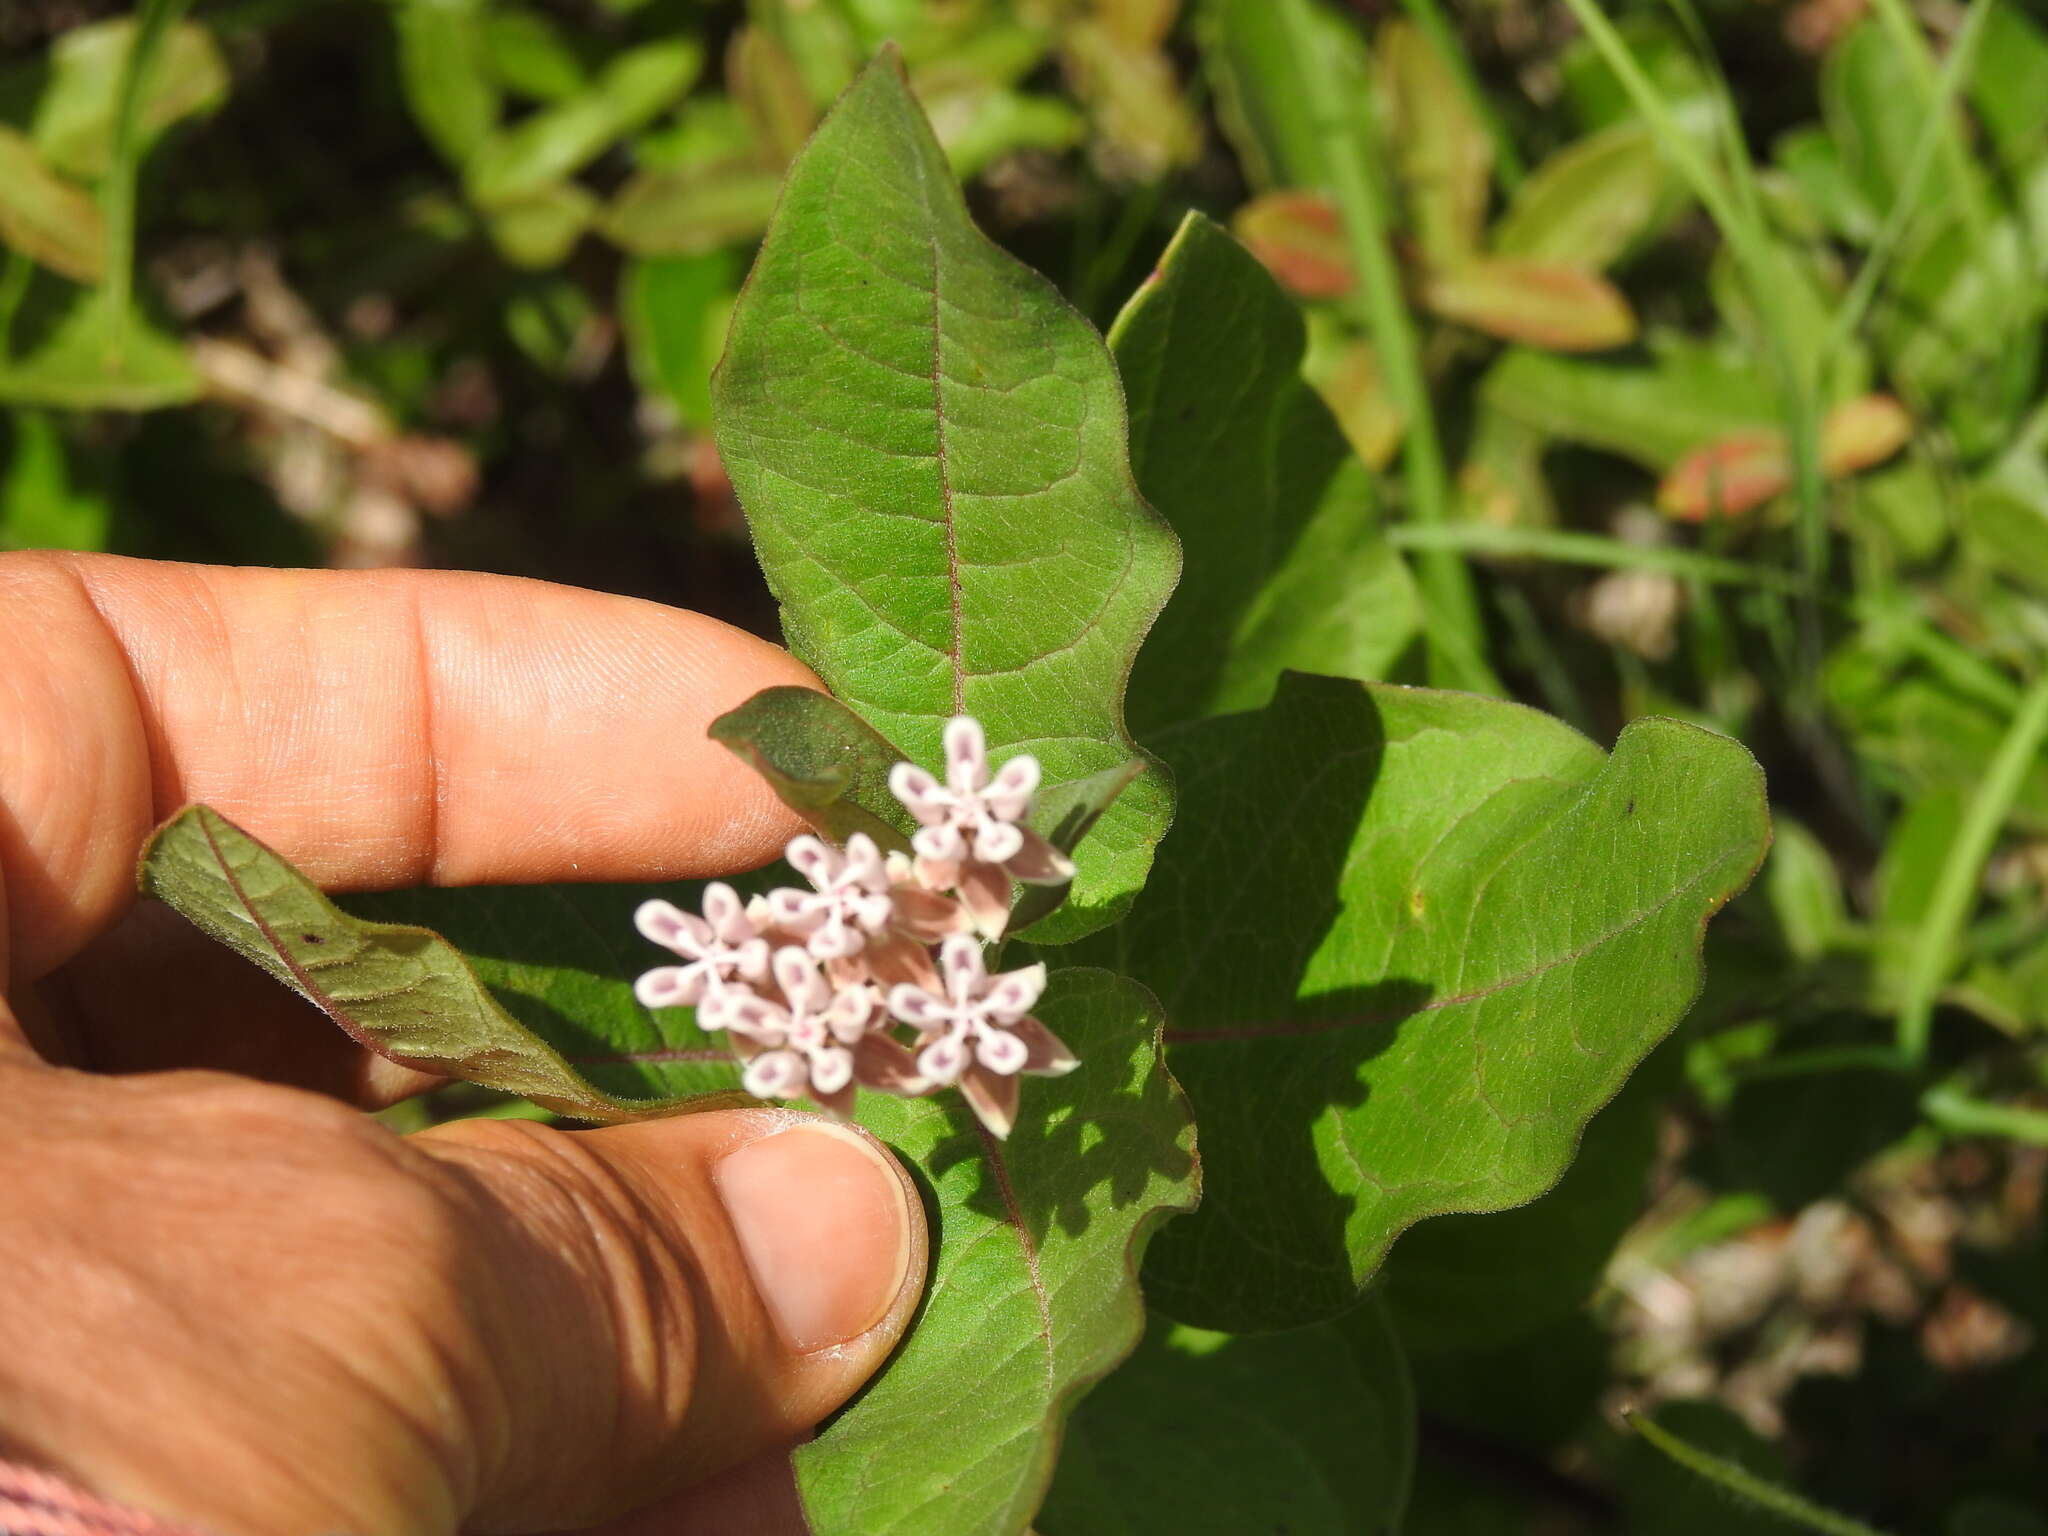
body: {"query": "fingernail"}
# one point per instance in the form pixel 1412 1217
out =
pixel 823 1219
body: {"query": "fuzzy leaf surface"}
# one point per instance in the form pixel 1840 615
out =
pixel 1284 564
pixel 1408 943
pixel 929 443
pixel 1311 1432
pixel 1033 1294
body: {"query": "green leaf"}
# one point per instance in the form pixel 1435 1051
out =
pixel 1460 1284
pixel 1033 1294
pixel 2009 528
pixel 1442 153
pixel 674 310
pixel 1409 942
pixel 1814 163
pixel 929 444
pixel 1587 204
pixel 1690 396
pixel 538 228
pixel 1250 60
pixel 74 121
pixel 407 993
pixel 1873 111
pixel 530 55
pixel 1563 309
pixel 558 141
pixel 444 65
pixel 1311 1432
pixel 2005 89
pixel 45 217
pixel 769 87
pixel 1283 563
pixel 92 358
pixel 822 760
pixel 1804 889
pixel 45 501
pixel 689 210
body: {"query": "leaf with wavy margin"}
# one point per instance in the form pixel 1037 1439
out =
pixel 1409 942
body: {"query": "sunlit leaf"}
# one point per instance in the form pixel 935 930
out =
pixel 1408 943
pixel 1346 372
pixel 770 89
pixel 540 227
pixel 1298 237
pixel 1562 309
pixel 444 63
pixel 1442 153
pixel 673 311
pixel 557 141
pixel 74 120
pixel 691 210
pixel 531 56
pixel 1033 1293
pixel 89 358
pixel 1652 413
pixel 46 501
pixel 1259 101
pixel 1283 562
pixel 1587 204
pixel 45 217
pixel 930 447
pixel 1738 473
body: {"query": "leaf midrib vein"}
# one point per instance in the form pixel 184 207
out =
pixel 1621 930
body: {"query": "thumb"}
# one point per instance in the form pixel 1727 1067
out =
pixel 664 1300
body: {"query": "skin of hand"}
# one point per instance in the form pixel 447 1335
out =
pixel 229 1296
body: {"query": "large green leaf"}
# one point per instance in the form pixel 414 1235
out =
pixel 1588 203
pixel 85 355
pixel 1284 562
pixel 1033 1292
pixel 445 66
pixel 1655 413
pixel 1311 1432
pixel 929 444
pixel 559 140
pixel 76 112
pixel 1408 943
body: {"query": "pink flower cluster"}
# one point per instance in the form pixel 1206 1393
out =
pixel 875 977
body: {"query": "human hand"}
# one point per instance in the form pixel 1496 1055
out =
pixel 251 1307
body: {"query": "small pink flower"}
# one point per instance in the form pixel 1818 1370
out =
pixel 849 901
pixel 723 948
pixel 980 1033
pixel 972 835
pixel 817 1041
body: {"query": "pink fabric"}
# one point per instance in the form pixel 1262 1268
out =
pixel 34 1503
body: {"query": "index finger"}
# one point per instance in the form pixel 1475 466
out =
pixel 379 728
